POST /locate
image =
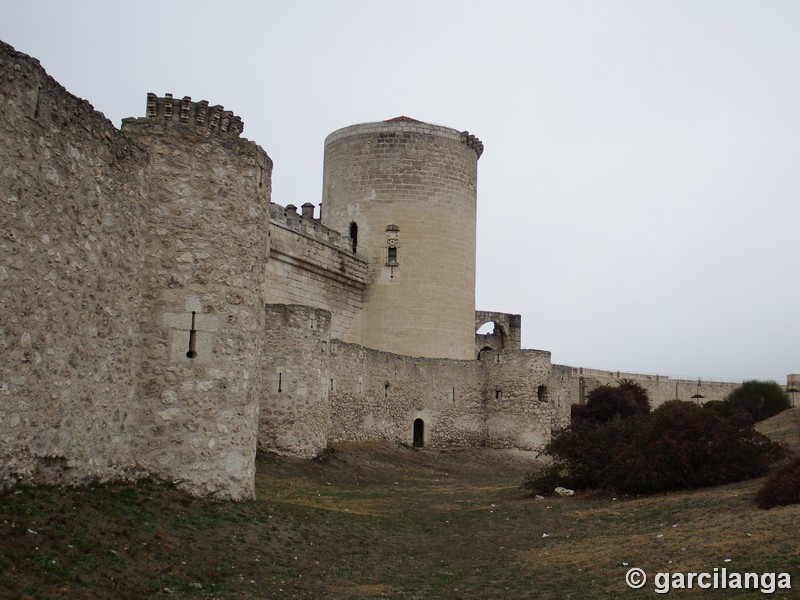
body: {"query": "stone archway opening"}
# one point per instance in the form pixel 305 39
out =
pixel 419 433
pixel 483 351
pixel 490 335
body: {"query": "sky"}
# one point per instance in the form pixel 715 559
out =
pixel 638 192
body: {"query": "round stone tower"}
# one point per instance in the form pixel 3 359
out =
pixel 405 193
pixel 202 310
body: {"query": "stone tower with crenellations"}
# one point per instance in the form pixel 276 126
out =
pixel 406 193
pixel 160 316
pixel 202 317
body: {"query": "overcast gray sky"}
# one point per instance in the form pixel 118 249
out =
pixel 638 195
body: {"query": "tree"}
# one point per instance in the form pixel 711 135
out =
pixel 608 402
pixel 762 399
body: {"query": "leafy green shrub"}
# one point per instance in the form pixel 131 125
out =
pixel 781 488
pixel 762 399
pixel 608 403
pixel 679 446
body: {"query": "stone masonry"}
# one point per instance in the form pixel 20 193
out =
pixel 160 316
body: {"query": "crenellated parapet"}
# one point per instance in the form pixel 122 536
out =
pixel 289 218
pixel 194 114
pixel 472 142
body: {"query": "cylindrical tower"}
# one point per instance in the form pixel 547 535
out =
pixel 203 311
pixel 405 192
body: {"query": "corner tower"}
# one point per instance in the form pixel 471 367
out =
pixel 405 192
pixel 203 313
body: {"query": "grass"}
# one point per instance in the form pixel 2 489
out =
pixel 373 521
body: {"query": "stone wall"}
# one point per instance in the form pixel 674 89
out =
pixel 72 251
pixel 312 265
pixel 521 402
pixel 660 388
pixel 379 395
pixel 295 404
pixel 507 333
pixel 202 318
pixel 319 390
pixel 158 316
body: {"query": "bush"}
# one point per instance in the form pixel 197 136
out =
pixel 719 406
pixel 762 399
pixel 581 455
pixel 782 488
pixel 684 446
pixel 679 446
pixel 608 403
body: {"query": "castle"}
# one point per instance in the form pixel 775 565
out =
pixel 161 316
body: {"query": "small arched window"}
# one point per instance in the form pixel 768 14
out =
pixel 354 235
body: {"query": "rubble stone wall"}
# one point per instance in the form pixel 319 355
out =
pixel 202 318
pixel 72 209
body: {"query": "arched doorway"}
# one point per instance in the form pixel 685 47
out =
pixel 484 349
pixel 419 433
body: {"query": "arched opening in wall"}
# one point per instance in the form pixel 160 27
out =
pixel 486 329
pixel 419 433
pixel 483 352
pixel 490 335
pixel 354 235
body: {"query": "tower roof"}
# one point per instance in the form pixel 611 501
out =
pixel 402 119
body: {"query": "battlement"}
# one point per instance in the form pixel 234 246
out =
pixel 406 125
pixel 472 142
pixel 194 114
pixel 307 225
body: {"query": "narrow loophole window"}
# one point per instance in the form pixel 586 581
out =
pixel 192 352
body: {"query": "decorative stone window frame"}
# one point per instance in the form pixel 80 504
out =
pixel 392 244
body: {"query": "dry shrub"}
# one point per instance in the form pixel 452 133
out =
pixel 678 446
pixel 782 488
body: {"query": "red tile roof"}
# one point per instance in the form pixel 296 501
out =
pixel 402 119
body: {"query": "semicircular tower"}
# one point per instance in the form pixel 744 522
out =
pixel 405 192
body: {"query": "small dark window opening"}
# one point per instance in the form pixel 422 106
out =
pixel 385 390
pixel 419 433
pixel 392 258
pixel 497 394
pixel 354 235
pixel 541 393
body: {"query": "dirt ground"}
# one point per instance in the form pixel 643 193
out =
pixel 378 520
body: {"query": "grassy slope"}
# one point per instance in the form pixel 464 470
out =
pixel 376 521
